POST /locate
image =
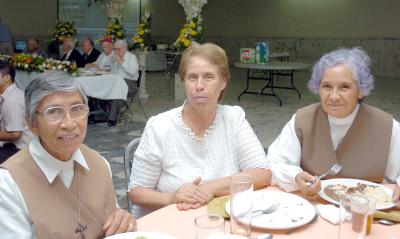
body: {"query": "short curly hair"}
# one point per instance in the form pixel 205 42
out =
pixel 356 59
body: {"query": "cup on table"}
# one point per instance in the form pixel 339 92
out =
pixel 353 217
pixel 209 226
pixel 370 215
pixel 241 204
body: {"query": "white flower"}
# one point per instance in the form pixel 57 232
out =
pixel 53 68
pixel 59 67
pixel 26 66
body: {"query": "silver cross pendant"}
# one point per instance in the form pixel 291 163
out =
pixel 80 229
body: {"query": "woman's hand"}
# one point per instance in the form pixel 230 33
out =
pixel 396 196
pixel 303 180
pixel 205 191
pixel 120 221
pixel 190 193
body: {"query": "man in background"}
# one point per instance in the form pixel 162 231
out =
pixel 103 62
pixel 90 54
pixel 14 132
pixel 6 39
pixel 33 47
pixel 71 54
pixel 126 65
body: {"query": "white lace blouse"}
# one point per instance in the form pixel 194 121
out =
pixel 169 154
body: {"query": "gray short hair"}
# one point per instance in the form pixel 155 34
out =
pixel 356 59
pixel 122 43
pixel 46 84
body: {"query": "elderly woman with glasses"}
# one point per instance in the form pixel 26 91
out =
pixel 341 129
pixel 58 187
pixel 187 154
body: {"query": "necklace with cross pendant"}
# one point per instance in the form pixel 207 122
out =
pixel 80 229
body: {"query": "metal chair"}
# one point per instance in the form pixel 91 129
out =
pixel 128 159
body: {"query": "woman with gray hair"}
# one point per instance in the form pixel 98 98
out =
pixel 340 129
pixel 47 189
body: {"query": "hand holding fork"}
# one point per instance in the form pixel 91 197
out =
pixel 310 185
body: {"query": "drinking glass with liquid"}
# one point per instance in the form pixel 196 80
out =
pixel 241 204
pixel 353 217
pixel 370 217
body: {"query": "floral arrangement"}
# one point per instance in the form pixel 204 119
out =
pixel 37 63
pixel 115 30
pixel 62 30
pixel 191 32
pixel 192 29
pixel 51 64
pixel 142 38
pixel 4 58
pixel 26 62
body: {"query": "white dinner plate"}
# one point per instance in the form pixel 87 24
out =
pixel 147 235
pixel 294 211
pixel 350 182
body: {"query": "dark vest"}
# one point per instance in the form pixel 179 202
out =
pixel 363 152
pixel 51 205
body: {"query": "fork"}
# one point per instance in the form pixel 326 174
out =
pixel 332 171
pixel 269 210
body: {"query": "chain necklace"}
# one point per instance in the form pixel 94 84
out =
pixel 81 227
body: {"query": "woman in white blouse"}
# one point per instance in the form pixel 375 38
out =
pixel 340 129
pixel 187 154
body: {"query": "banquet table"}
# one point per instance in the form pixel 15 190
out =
pixel 268 72
pixel 153 60
pixel 171 221
pixel 172 59
pixel 106 87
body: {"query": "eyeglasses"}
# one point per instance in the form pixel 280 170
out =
pixel 58 113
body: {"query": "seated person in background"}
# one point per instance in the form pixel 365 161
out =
pixel 71 54
pixel 33 47
pixel 342 129
pixel 14 132
pixel 90 54
pixel 126 65
pixel 58 187
pixel 187 154
pixel 103 62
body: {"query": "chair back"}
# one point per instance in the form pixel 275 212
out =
pixel 134 86
pixel 128 159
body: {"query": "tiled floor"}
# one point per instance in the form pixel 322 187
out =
pixel 263 113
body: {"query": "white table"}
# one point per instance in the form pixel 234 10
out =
pixel 268 72
pixel 153 60
pixel 172 58
pixel 106 87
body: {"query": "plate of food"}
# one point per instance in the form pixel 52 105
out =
pixel 293 211
pixel 333 189
pixel 141 235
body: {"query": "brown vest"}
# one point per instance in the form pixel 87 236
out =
pixel 51 205
pixel 363 152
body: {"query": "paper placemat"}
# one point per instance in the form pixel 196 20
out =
pixel 393 215
pixel 217 206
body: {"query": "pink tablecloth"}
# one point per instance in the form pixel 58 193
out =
pixel 180 224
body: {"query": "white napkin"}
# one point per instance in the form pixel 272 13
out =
pixel 328 212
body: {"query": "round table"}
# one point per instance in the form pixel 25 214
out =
pixel 171 221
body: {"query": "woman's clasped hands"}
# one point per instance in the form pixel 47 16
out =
pixel 191 195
